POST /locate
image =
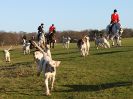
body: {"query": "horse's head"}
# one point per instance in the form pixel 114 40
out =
pixel 121 31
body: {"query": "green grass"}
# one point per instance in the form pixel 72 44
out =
pixel 105 74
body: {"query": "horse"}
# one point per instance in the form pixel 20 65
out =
pixel 51 39
pixel 116 33
pixel 41 40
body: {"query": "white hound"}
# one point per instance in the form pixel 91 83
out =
pixel 26 47
pixel 84 46
pixel 47 65
pixel 101 42
pixel 66 41
pixel 7 54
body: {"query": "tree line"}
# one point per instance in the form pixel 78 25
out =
pixel 15 38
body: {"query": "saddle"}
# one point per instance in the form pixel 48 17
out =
pixel 111 26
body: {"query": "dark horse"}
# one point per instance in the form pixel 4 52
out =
pixel 51 39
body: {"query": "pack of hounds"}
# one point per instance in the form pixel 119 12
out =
pixel 44 60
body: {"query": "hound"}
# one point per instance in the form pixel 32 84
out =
pixel 66 42
pixel 47 65
pixel 26 48
pixel 47 50
pixel 101 41
pixel 84 46
pixel 7 54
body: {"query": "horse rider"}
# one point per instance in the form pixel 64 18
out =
pixel 114 19
pixel 51 29
pixel 40 31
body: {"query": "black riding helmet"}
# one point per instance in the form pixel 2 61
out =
pixel 42 24
pixel 115 10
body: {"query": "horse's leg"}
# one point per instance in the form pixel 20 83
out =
pixel 50 44
pixel 118 41
pixel 112 39
pixel 53 45
pixel 52 83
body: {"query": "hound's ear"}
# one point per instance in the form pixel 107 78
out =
pixel 57 63
pixel 54 63
pixel 10 48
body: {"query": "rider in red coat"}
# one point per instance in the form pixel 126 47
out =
pixel 51 29
pixel 114 19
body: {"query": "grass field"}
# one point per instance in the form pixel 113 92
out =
pixel 105 74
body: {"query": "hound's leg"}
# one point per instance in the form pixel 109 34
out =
pixel 120 42
pixel 65 45
pixel 9 59
pixel 68 45
pixel 52 84
pixel 46 85
pixel 107 44
pixel 104 45
pixel 24 52
pixel 112 39
pixel 83 52
pixel 6 59
pixel 88 51
pixel 29 51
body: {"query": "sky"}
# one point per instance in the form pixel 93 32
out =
pixel 27 15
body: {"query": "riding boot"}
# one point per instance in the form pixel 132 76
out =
pixel 110 28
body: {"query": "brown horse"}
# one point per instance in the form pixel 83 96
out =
pixel 51 39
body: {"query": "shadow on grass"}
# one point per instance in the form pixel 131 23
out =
pixel 65 53
pixel 16 65
pixel 82 88
pixel 67 58
pixel 112 52
pixel 72 88
pixel 23 91
pixel 13 70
